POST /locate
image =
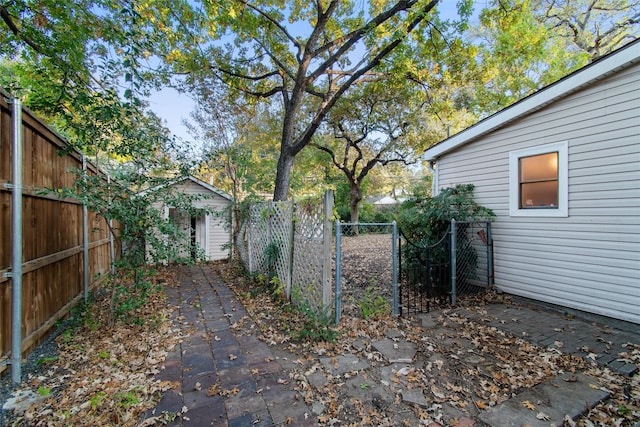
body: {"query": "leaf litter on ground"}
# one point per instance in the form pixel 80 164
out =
pixel 461 368
pixel 106 376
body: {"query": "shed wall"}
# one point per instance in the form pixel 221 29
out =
pixel 590 260
pixel 219 234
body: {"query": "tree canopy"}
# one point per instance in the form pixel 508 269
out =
pixel 305 54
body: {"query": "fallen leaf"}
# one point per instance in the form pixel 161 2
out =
pixel 231 392
pixel 528 405
pixel 569 421
pixel 213 390
pixel 542 416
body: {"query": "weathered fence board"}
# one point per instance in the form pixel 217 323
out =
pixel 52 231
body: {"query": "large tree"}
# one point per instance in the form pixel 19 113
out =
pixel 375 125
pixel 595 27
pixel 524 45
pixel 80 64
pixel 306 53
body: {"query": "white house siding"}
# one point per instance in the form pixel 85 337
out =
pixel 590 260
pixel 219 234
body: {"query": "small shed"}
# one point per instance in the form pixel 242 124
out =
pixel 561 170
pixel 210 232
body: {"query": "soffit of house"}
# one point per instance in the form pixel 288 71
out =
pixel 597 70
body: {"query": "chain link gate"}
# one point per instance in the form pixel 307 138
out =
pixel 471 257
pixel 366 269
pixel 425 273
pixel 460 262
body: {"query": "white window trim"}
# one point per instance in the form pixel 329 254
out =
pixel 563 180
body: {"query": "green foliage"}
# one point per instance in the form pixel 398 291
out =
pixel 374 306
pixel 127 398
pixel 44 391
pixel 271 254
pixel 133 204
pixel 97 399
pixel 46 360
pixel 425 222
pixel 318 326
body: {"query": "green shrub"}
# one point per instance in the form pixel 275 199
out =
pixel 424 221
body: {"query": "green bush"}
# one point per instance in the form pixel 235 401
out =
pixel 425 221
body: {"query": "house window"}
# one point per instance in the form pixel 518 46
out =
pixel 538 181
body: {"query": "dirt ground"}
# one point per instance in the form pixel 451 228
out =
pixel 366 271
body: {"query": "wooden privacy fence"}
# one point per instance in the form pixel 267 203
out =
pixel 65 248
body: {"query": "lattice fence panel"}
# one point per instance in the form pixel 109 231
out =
pixel 275 242
pixel 242 244
pixel 281 230
pixel 308 255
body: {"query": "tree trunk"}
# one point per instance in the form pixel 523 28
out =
pixel 283 175
pixel 355 197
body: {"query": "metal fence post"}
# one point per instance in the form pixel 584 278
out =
pixel 338 270
pixel 85 237
pixel 249 242
pixel 112 248
pixel 454 268
pixel 490 280
pixel 326 248
pixel 394 267
pixel 16 262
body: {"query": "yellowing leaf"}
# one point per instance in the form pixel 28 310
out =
pixel 528 405
pixel 213 390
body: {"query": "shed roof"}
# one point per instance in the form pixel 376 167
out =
pixel 598 69
pixel 207 186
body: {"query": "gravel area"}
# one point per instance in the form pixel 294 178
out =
pixel 32 367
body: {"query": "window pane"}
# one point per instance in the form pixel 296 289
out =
pixel 535 168
pixel 539 195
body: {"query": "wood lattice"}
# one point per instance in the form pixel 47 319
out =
pixel 308 256
pixel 286 240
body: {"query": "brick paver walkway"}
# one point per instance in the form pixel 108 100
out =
pixel 249 386
pixel 224 353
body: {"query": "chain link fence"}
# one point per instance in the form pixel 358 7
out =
pixel 458 263
pixel 471 258
pixel 366 270
pixel 376 271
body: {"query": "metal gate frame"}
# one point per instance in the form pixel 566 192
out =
pixel 452 279
pixel 394 263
